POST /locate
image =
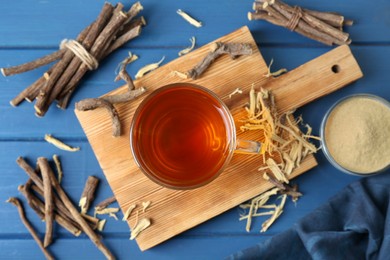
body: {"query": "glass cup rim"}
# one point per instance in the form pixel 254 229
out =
pixel 232 130
pixel 325 148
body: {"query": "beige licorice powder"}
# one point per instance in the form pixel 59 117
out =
pixel 357 134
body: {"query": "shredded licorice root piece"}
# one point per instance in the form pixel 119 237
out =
pixel 113 216
pixel 189 18
pixel 29 227
pixel 145 205
pixel 278 211
pixel 281 136
pixel 180 74
pixel 59 144
pixel 141 226
pixel 101 224
pixel 276 73
pixel 187 50
pixel 57 162
pixel 106 211
pixel 128 212
pixel 236 91
pixel 255 204
pixel 276 170
pixel 148 68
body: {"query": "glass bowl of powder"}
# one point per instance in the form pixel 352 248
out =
pixel 355 134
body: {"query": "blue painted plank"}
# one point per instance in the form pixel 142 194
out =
pixel 45 23
pixel 189 248
pixel 21 122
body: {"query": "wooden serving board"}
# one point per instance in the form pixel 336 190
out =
pixel 173 212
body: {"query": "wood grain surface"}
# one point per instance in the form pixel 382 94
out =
pixel 173 212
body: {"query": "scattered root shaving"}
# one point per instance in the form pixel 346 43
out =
pixel 190 48
pixel 128 212
pixel 189 19
pixel 181 75
pixel 276 73
pixel 148 68
pixel 112 215
pixel 255 204
pixel 278 211
pixel 59 144
pixel 57 162
pixel 234 92
pixel 101 225
pixel 141 226
pixel 145 205
pixel 106 211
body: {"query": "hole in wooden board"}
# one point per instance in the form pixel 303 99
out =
pixel 335 68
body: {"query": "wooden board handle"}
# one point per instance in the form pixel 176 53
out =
pixel 315 79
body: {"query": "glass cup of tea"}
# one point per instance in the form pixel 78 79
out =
pixel 183 136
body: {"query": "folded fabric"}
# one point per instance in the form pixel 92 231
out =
pixel 354 224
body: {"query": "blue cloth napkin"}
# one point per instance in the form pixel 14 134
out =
pixel 354 224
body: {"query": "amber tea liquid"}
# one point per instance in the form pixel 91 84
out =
pixel 182 136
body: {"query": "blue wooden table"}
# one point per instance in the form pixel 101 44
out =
pixel 32 28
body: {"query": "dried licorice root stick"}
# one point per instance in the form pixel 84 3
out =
pixel 105 203
pixel 30 228
pixel 88 194
pixel 111 30
pixel 80 220
pixel 33 64
pixel 41 61
pixel 134 30
pixel 65 95
pixel 121 98
pixel 38 187
pixel 38 206
pixel 97 50
pixel 217 49
pixel 48 195
pixel 68 204
pixel 60 208
pixel 324 27
pixel 123 74
pixel 76 58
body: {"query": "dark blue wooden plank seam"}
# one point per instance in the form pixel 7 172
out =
pixel 268 44
pixel 41 140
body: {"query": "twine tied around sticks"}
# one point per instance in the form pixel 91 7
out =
pixel 81 53
pixel 293 22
